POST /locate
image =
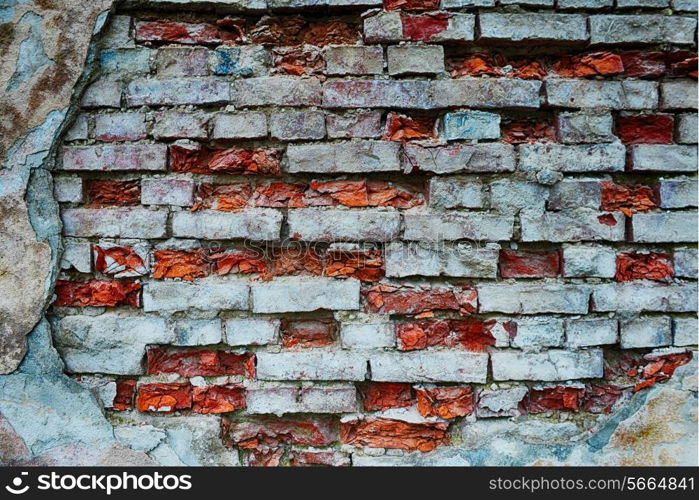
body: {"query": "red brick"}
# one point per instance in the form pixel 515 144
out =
pixel 163 31
pixel 528 131
pixel 640 64
pixel 643 266
pixel 424 27
pixel 661 368
pixel 223 197
pixel 280 195
pixel 363 265
pixel 112 193
pixel 445 402
pixel 404 128
pixel 202 160
pixel 362 194
pixel 218 398
pixel 293 260
pixel 164 397
pixel 289 31
pixel 627 199
pixel 204 363
pixel 184 264
pixel 298 61
pixel 97 293
pixel 393 434
pixel 125 258
pixel 645 129
pixel 238 261
pixel 559 398
pixel 601 398
pixel 470 334
pixel 411 4
pixel 308 332
pixel 595 64
pixel 474 65
pixel 390 299
pixel 124 399
pixel 379 396
pixel 682 63
pixel 273 431
pixel 529 264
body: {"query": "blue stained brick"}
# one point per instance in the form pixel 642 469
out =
pixel 126 60
pixel 471 125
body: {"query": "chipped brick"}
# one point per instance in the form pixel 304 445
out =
pixel 204 363
pixel 379 396
pixel 627 199
pixel 97 293
pixel 184 264
pixel 639 266
pixel 218 399
pixel 165 398
pixel 645 129
pixel 202 160
pixel 529 264
pixel 390 299
pixel 394 434
pixel 108 193
pixel 445 402
pixel 469 334
pixel 403 128
pixel 308 333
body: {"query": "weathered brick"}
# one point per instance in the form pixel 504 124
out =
pixel 645 331
pixel 118 32
pixel 572 193
pixel 353 60
pixel 642 296
pixel 68 189
pixel 393 434
pixel 188 156
pixel 591 332
pixel 120 261
pixel 471 125
pixel 509 197
pixel 668 158
pixel 612 29
pixel 131 222
pixel 589 261
pixel 685 263
pixel 549 365
pixel 167 191
pixel 103 93
pixel 685 331
pixel 108 193
pixel 405 299
pixel 407 94
pixel 678 193
pixel 469 158
pixel 581 158
pixel 471 334
pixel 573 225
pixel 537 332
pixel 199 363
pixel 383 27
pixel 115 157
pixel 449 27
pixel 277 90
pixel 165 398
pixel 97 293
pixel 126 61
pixel 78 130
pixel 445 402
pixel 350 157
pixel 428 366
pixel 173 92
pixel 677 227
pixel 246 60
pixel 166 30
pixel 77 256
pixel 254 224
pixel 281 399
pixel 500 402
pixel 202 295
pixel 252 331
pixel 367 335
pixel 343 225
pixel 474 226
pixel 540 27
pixel 627 199
pixel 415 59
pixel 180 125
pixel 244 125
pixel 486 93
pixel 529 264
pixel 626 94
pixel 678 94
pixel 311 365
pixel 297 125
pixel 528 298
pixel 456 193
pixel 197 332
pixel 354 125
pixel 218 398
pixel 585 127
pixel 177 62
pixel 645 129
pixel 304 294
pixel 405 259
pixel 108 343
pixel 687 128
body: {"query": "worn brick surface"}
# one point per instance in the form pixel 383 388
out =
pixel 357 231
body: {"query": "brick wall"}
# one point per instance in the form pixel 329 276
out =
pixel 337 232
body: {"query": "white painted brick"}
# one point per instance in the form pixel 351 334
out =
pixel 78 130
pixel 103 93
pixel 385 26
pixel 280 399
pixel 243 125
pixel 687 128
pixel 118 269
pixel 254 224
pixel 685 331
pixel 252 331
pixel 190 332
pixel 115 157
pixel 573 225
pixel 538 332
pixel 585 127
pixel 119 126
pixel 510 197
pixel 678 94
pixel 365 124
pixel 677 227
pixel 203 295
pixel 471 125
pixel 591 332
pixel 664 157
pixel 686 263
pixel 315 365
pixel 297 125
pixel 429 366
pixel 304 294
pixel 613 29
pixel 523 26
pixel 167 191
pixel 177 91
pixel 114 222
pixel 533 298
pixel 589 261
pixel 353 60
pixel 68 189
pixel 645 296
pixel 646 331
pixel 500 402
pixel 343 225
pixel 351 157
pixel 603 94
pixel 456 193
pixel 276 91
pixel 678 193
pixel 77 256
pixel 578 158
pixel 547 366
pixel 367 335
pixel 415 59
pixel 461 260
pixel 573 193
pixel 180 125
pixel 472 226
pixel 456 158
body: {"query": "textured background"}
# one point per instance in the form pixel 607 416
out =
pixel 306 232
